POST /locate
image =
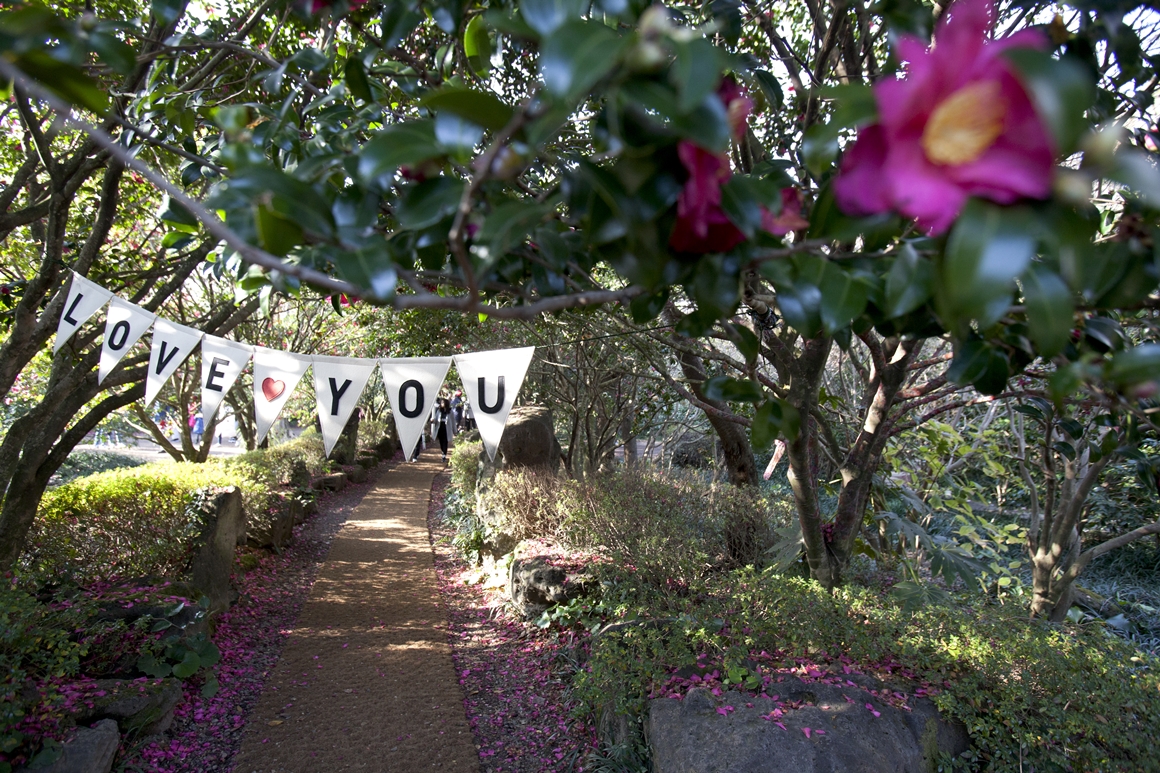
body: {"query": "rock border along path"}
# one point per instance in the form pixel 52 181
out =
pixel 365 681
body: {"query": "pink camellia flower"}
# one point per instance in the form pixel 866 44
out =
pixel 702 225
pixel 959 124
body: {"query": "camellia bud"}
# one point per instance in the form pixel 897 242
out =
pixel 655 22
pixel 1072 186
pixel 1099 147
pixel 646 57
pixel 507 164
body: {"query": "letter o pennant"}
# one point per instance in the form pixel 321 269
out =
pixel 412 385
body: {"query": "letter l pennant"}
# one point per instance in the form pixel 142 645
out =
pixel 84 300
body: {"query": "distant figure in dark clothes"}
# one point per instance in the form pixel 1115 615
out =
pixel 443 417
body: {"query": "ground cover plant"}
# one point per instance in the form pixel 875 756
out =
pixel 1075 696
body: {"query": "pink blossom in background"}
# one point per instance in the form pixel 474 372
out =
pixel 702 225
pixel 959 124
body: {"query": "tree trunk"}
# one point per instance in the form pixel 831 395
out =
pixel 803 395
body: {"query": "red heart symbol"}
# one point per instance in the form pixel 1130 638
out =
pixel 272 389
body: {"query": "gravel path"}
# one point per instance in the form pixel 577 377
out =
pixel 365 682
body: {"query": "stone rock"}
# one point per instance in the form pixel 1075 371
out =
pixel 529 439
pixel 387 446
pixel 273 530
pixel 299 474
pixel 309 507
pixel 297 509
pixel 534 585
pixel 690 736
pixel 140 707
pixel 91 750
pixel 357 474
pixel 368 462
pixel 213 561
pixel 333 482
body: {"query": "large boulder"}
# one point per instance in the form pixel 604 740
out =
pixel 213 559
pixel 90 750
pixel 529 440
pixel 535 585
pixel 275 528
pixel 141 706
pixel 850 730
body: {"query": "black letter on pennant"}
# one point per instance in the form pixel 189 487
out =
pixel 495 407
pixel 412 384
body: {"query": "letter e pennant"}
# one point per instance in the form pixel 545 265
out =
pixel 221 364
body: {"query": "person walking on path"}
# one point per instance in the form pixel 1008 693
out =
pixel 442 419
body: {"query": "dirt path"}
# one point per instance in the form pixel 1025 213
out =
pixel 365 681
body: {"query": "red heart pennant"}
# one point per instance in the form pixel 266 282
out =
pixel 273 389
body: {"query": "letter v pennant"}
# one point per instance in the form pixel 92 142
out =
pixel 172 344
pixel 492 380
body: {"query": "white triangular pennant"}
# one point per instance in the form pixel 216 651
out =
pixel 338 384
pixel 276 374
pixel 172 344
pixel 492 380
pixel 412 384
pixel 124 325
pixel 221 364
pixel 84 300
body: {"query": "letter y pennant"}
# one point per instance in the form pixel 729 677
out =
pixel 338 384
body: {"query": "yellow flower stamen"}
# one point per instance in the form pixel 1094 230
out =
pixel 965 124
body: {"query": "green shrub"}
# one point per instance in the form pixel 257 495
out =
pixel 126 523
pixel 1051 697
pixel 371 431
pixel 272 467
pixel 80 464
pixel 465 468
pixel 36 647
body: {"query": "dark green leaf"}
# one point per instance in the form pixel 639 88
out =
pixel 771 87
pixel 457 135
pixel 952 561
pixel 695 73
pixel 277 235
pixel 820 148
pixel 645 308
pixel 1137 365
pixel 509 225
pixel 428 202
pixel 908 284
pixel 989 247
pixel 66 80
pixel 188 666
pixel 355 78
pixel 1136 170
pixel 398 22
pixel 741 202
pixel 773 419
pixel 576 56
pixel 1049 310
pixel 117 55
pixel 843 298
pixel 167 11
pixel 1064 448
pixel 726 389
pixel 477 46
pixel 479 107
pixel 546 16
pixel 405 143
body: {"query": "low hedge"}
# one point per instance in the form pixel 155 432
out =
pixel 137 522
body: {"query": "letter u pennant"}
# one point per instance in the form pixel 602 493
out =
pixel 338 384
pixel 492 380
pixel 412 385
